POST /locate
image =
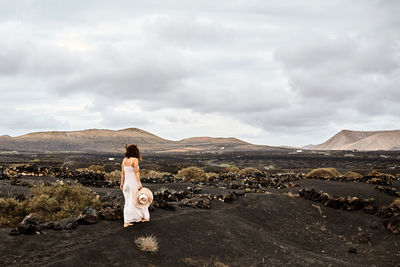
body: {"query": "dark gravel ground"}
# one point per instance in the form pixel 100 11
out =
pixel 259 229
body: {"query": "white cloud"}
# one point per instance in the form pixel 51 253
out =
pixel 272 72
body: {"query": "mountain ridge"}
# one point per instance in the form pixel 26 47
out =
pixel 362 140
pixel 106 140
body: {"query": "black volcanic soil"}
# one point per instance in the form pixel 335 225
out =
pixel 258 229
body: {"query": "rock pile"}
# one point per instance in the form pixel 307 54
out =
pixel 86 178
pixel 345 203
pixel 391 191
pixel 164 179
pixel 31 224
pixel 21 183
pixel 190 197
pixel 382 179
pixel 4 176
pixel 89 216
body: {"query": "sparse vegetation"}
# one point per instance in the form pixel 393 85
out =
pixel 248 171
pixel 192 174
pixel 352 175
pixel 231 169
pixel 12 211
pixel 96 168
pixel 147 243
pixel 211 175
pixel 375 173
pixel 49 203
pixel 113 176
pixel 395 203
pixel 61 201
pixel 324 173
pixel 152 174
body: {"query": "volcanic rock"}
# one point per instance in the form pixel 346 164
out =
pixel 88 216
pixel 30 224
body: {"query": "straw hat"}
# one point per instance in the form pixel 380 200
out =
pixel 143 197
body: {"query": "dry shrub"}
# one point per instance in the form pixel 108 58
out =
pixel 352 175
pixel 211 175
pixel 147 243
pixel 92 168
pixel 113 176
pixel 291 195
pixel 248 171
pixel 231 169
pixel 61 201
pixel 375 173
pixel 324 173
pixel 395 203
pixel 220 264
pixel 190 262
pixel 152 174
pixel 192 174
pixel 49 203
pixel 12 212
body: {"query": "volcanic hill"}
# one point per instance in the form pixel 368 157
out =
pixel 110 141
pixel 362 140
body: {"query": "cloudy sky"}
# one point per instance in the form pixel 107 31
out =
pixel 269 72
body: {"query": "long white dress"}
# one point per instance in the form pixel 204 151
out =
pixel 131 185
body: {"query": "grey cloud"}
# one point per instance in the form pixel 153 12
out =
pixel 291 67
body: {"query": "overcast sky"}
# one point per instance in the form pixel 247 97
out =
pixel 281 72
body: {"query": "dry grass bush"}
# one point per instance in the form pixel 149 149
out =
pixel 395 203
pixel 324 173
pixel 248 171
pixel 92 168
pixel 375 173
pixel 147 243
pixel 192 174
pixel 49 203
pixel 211 175
pixel 12 211
pixel 113 176
pixel 152 174
pixel 231 169
pixel 352 175
pixel 61 201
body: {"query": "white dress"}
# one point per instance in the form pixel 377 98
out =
pixel 131 185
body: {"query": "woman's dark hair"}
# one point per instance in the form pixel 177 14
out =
pixel 133 151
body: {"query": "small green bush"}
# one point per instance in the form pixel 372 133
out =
pixel 192 174
pixel 248 171
pixel 324 173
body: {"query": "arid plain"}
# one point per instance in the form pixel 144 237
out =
pixel 236 205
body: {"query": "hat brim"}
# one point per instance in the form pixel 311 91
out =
pixel 149 195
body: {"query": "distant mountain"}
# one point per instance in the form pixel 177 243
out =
pixel 362 140
pixel 98 140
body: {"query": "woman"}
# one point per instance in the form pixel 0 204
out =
pixel 130 182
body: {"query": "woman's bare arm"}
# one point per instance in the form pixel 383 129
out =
pixel 137 173
pixel 122 176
